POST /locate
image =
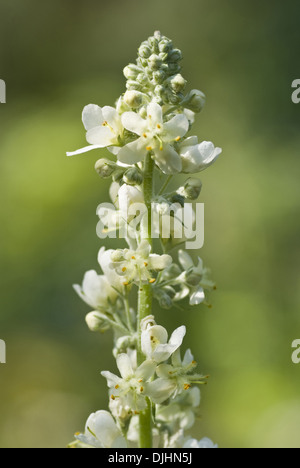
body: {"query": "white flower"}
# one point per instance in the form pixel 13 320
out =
pixel 155 135
pixel 136 265
pixel 130 205
pixel 96 290
pixel 180 412
pixel 104 259
pixel 130 388
pixel 101 431
pixel 180 372
pixel 154 339
pixel 203 443
pixel 197 157
pixel 103 126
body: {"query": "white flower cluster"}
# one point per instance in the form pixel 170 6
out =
pixel 147 135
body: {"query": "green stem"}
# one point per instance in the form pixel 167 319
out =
pixel 145 302
pixel 162 190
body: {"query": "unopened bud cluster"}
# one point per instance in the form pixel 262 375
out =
pixel 156 74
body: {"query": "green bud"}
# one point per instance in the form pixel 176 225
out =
pixel 133 176
pixel 165 45
pixel 118 175
pixel 105 168
pixel 133 98
pixel 194 101
pixel 142 78
pixel 159 76
pixel 134 85
pixel 174 68
pixel 96 322
pixel 144 51
pixel 178 83
pixel 131 71
pixel 175 55
pixel 191 189
pixel 154 62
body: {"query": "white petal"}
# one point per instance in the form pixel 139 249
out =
pixel 199 157
pixel 188 358
pixel 177 337
pixel 134 123
pixel 133 152
pixel 112 379
pixel 84 150
pixel 92 116
pixel 159 262
pixel 146 370
pixel 127 196
pixel 124 366
pixel 163 371
pixel 104 427
pixel 154 112
pixel 101 136
pixel 168 160
pixel 190 141
pixel 176 127
pixel 185 260
pixel 160 390
pixel 197 297
pixel 112 117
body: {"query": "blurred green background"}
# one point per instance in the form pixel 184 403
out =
pixel 57 57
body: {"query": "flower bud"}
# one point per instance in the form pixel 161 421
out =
pixel 96 322
pixel 144 51
pixel 194 101
pixel 178 83
pixel 133 98
pixel 105 168
pixel 133 176
pixel 133 85
pixel 154 62
pixel 159 76
pixel 142 79
pixel 131 71
pixel 175 55
pixel 117 256
pixel 148 322
pixel 191 189
pixel 165 45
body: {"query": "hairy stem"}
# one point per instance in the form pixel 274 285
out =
pixel 145 300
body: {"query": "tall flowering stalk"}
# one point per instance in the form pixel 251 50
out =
pixel 154 398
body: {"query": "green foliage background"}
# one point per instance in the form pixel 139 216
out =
pixel 57 57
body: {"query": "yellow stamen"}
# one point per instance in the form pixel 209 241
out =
pixel 145 135
pixel 124 269
pixel 113 397
pixel 126 283
pixel 149 148
pixel 133 258
pixel 117 386
pixel 146 264
pixel 186 387
pixel 152 281
pixel 178 138
pixel 141 389
pixel 158 126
